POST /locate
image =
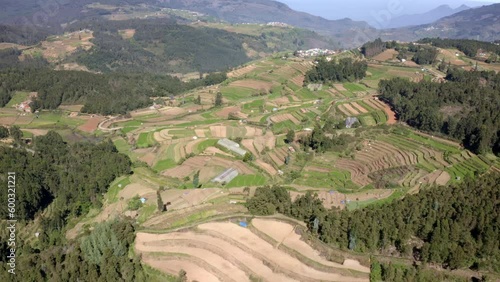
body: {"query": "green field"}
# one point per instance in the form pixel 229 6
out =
pixel 339 180
pixel 203 145
pixel 164 164
pixel 129 125
pixel 246 180
pixel 305 94
pixel 234 93
pixel 354 87
pixel 18 98
pixel 115 188
pixel 146 140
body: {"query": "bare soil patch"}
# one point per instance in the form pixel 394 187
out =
pixel 284 232
pixel 267 167
pixel 263 249
pixel 224 113
pixel 339 87
pixel 172 266
pixel 218 131
pixel 284 117
pixel 359 108
pixel 343 109
pixel 242 71
pixel 351 109
pixel 91 124
pixel 298 80
pixel 127 33
pixel 253 84
pixel 388 54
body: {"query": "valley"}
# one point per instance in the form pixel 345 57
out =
pixel 245 141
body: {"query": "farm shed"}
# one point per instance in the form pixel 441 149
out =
pixel 226 176
pixel 231 146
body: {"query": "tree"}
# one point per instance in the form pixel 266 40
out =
pixel 16 133
pixel 135 203
pixel 218 99
pixel 182 276
pixel 375 270
pixel 248 157
pixel 290 136
pixel 196 179
pixel 159 202
pixel 4 132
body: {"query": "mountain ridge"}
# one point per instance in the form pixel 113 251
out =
pixel 482 23
pixel 427 17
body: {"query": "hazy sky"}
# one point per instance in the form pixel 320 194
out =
pixel 368 10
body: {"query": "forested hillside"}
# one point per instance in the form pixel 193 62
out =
pixel 71 179
pixel 163 46
pixel 465 108
pixel 469 47
pixel 103 94
pixel 455 226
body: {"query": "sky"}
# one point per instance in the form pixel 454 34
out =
pixel 369 10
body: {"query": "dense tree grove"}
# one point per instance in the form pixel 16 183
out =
pixel 74 176
pixel 64 181
pixel 103 94
pixel 320 142
pixel 373 48
pixel 469 47
pixel 395 272
pixel 475 95
pixel 345 69
pixel 456 226
pixel 99 257
pixel 162 45
pixel 425 55
pixel 25 34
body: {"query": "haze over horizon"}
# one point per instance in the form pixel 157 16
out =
pixel 375 12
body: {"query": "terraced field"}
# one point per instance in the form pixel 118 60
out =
pixel 428 164
pixel 224 251
pixel 369 111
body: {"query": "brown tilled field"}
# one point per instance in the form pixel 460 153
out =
pixel 218 131
pixel 283 233
pixel 224 113
pixel 127 33
pixel 91 124
pixel 343 109
pixel 253 84
pixel 242 71
pixel 351 109
pixel 284 117
pixel 339 87
pixel 388 54
pixel 359 108
pixel 298 80
pixel 229 252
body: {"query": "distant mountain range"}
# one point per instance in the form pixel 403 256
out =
pixel 425 18
pixel 478 23
pixel 481 23
pixel 262 11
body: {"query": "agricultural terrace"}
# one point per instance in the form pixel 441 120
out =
pixel 223 251
pixel 57 47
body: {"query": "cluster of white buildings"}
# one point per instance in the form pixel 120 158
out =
pixel 279 24
pixel 314 52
